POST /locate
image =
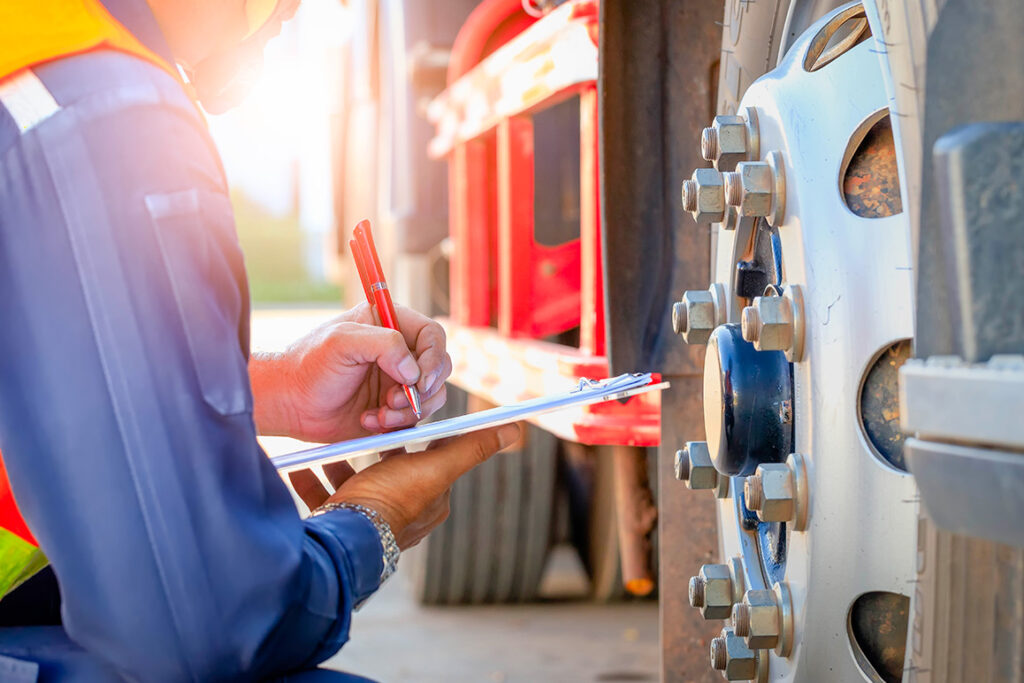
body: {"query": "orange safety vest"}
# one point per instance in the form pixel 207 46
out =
pixel 32 33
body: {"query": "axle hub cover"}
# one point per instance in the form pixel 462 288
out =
pixel 748 404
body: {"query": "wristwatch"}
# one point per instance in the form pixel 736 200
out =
pixel 387 539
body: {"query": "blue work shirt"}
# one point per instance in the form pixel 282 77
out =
pixel 125 408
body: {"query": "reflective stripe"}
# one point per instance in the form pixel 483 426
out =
pixel 27 100
pixel 19 560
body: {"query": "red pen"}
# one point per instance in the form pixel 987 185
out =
pixel 375 287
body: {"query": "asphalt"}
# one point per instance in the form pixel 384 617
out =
pixel 565 638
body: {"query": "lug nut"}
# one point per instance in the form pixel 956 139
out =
pixel 712 591
pixel 765 619
pixel 776 323
pixel 777 492
pixel 768 323
pixel 698 313
pixel 770 492
pixel 750 188
pixel 757 619
pixel 730 140
pixel 694 317
pixel 757 188
pixel 704 196
pixel 730 655
pixel 693 465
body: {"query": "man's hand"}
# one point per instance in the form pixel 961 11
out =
pixel 409 490
pixel 341 381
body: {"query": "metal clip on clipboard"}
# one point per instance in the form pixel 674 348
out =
pixel 587 392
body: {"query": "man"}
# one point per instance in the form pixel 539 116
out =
pixel 127 417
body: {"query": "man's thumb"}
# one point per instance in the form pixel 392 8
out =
pixel 466 452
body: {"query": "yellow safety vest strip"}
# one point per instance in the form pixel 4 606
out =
pixel 19 560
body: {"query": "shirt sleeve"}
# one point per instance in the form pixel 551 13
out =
pixel 125 407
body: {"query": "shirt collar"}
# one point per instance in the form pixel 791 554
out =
pixel 137 17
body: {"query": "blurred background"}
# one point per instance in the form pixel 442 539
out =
pixel 277 150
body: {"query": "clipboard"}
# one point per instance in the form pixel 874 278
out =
pixel 587 392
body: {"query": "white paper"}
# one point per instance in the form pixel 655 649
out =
pixel 586 393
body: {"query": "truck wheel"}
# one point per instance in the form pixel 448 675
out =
pixel 827 430
pixel 951 610
pixel 494 545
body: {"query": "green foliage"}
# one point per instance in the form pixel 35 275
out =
pixel 273 249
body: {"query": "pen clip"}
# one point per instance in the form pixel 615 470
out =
pixel 364 277
pixel 371 261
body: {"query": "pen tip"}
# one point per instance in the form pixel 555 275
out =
pixel 414 399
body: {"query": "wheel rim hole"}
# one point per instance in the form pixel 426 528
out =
pixel 877 626
pixel 870 179
pixel 846 30
pixel 879 404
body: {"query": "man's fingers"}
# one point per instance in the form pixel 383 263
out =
pixel 435 402
pixel 390 418
pixel 308 487
pixel 396 398
pixel 387 348
pixel 433 380
pixel 425 337
pixel 428 339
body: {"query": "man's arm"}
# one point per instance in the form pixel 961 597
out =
pixel 125 411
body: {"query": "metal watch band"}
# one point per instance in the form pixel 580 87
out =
pixel 387 538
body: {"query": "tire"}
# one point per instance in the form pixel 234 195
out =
pixel 969 600
pixel 603 561
pixel 494 545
